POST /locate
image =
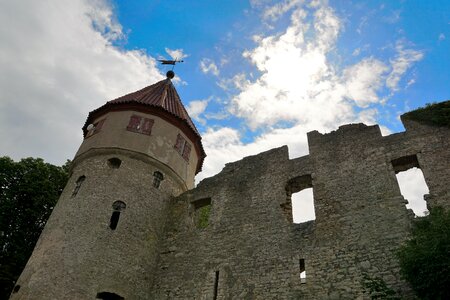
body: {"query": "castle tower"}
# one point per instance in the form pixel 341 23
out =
pixel 102 239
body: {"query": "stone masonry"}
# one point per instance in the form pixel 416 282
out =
pixel 252 250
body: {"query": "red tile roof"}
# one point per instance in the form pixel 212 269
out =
pixel 161 94
pixel 161 99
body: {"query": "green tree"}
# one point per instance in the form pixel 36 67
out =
pixel 425 258
pixel 29 190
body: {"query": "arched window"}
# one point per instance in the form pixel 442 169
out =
pixel 118 207
pixel 157 178
pixel 78 185
pixel 114 163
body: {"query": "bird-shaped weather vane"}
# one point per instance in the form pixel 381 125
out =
pixel 170 74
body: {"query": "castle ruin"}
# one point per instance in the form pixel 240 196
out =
pixel 131 225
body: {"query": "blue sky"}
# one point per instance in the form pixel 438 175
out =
pixel 257 74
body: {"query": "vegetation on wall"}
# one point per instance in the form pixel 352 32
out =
pixel 376 288
pixel 425 258
pixel 437 114
pixel 203 216
pixel 29 190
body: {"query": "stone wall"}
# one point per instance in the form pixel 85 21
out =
pixel 252 250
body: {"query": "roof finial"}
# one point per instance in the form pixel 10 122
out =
pixel 170 74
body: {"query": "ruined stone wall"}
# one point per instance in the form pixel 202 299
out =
pixel 252 250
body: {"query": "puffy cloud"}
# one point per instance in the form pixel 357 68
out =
pixel 208 66
pixel 298 88
pixel 57 62
pixel 401 63
pixel 176 53
pixel 196 108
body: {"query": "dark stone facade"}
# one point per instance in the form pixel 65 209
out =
pixel 252 250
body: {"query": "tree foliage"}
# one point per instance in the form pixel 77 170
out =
pixel 425 258
pixel 437 114
pixel 29 190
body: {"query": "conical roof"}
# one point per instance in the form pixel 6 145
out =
pixel 161 99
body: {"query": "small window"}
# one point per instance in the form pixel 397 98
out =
pixel 118 207
pixel 140 124
pixel 109 296
pixel 157 178
pixel 78 184
pixel 114 163
pixel 16 289
pixel 96 129
pixel 302 270
pixel 183 147
pixel 202 212
pixel 216 285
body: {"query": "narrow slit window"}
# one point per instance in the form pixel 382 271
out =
pixel 118 207
pixel 202 212
pixel 412 184
pixel 299 204
pixel 302 270
pixel 109 296
pixel 78 184
pixel 157 178
pixel 216 285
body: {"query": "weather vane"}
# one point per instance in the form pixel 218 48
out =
pixel 170 74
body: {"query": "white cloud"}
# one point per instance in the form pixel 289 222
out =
pixel 298 89
pixel 273 12
pixel 196 108
pixel 401 63
pixel 176 53
pixel 208 66
pixel 363 80
pixel 58 62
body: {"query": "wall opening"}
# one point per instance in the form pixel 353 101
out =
pixel 118 207
pixel 302 270
pixel 299 204
pixel 114 163
pixel 157 178
pixel 16 289
pixel 412 184
pixel 78 184
pixel 109 296
pixel 202 212
pixel 216 285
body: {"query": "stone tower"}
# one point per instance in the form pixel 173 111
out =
pixel 102 239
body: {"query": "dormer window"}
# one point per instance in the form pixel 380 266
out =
pixel 140 124
pixel 183 147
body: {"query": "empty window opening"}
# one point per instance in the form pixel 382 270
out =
pixel 78 184
pixel 299 204
pixel 216 285
pixel 302 270
pixel 118 207
pixel 16 289
pixel 202 212
pixel 413 188
pixel 114 163
pixel 157 178
pixel 109 296
pixel 412 183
